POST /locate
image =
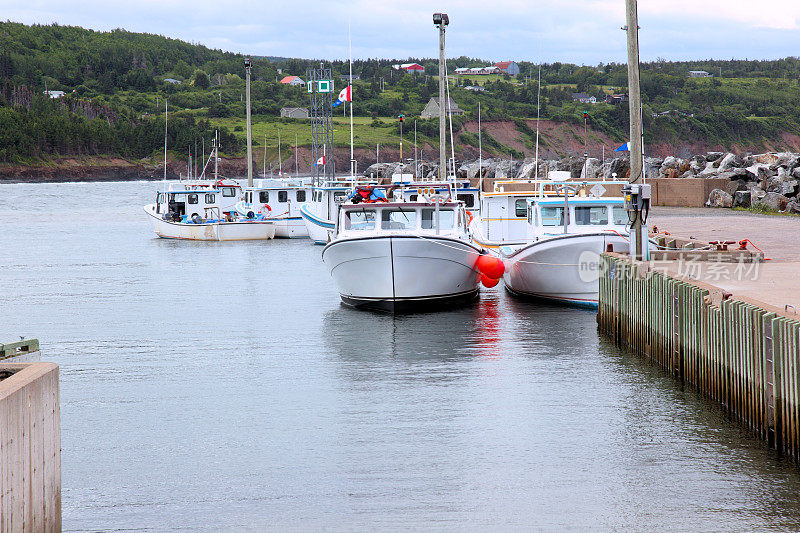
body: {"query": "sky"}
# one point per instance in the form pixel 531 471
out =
pixel 583 32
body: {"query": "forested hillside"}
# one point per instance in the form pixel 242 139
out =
pixel 115 84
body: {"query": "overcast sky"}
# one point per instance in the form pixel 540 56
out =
pixel 583 32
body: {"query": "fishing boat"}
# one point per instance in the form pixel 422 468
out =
pixel 566 233
pixel 319 214
pixel 280 201
pixel 198 214
pixel 399 255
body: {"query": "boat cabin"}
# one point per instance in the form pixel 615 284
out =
pixel 275 201
pixel 469 196
pixel 547 217
pixel 503 216
pixel 438 218
pixel 182 205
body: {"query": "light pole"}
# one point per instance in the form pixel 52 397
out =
pixel 635 109
pixel 441 20
pixel 248 66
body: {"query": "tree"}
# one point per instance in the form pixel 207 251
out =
pixel 200 79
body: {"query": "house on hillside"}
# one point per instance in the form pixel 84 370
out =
pixel 413 68
pixel 461 71
pixel 294 112
pixel 346 77
pixel 173 81
pixel 507 67
pixel 54 94
pixel 293 81
pixel 583 98
pixel 475 88
pixel 699 74
pixel 432 109
pixel 616 98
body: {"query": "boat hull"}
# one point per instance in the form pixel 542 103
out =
pixel 403 273
pixel 317 227
pixel 562 269
pixel 289 228
pixel 211 231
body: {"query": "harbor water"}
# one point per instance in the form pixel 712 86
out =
pixel 222 386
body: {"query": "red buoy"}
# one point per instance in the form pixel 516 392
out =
pixel 489 282
pixel 490 266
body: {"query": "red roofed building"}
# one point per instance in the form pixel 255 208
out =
pixel 507 67
pixel 410 67
pixel 293 80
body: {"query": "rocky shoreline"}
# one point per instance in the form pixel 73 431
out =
pixel 766 181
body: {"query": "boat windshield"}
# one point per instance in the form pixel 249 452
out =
pixel 620 216
pixel 595 215
pixel 398 219
pixel 361 220
pixel 552 216
pixel 446 219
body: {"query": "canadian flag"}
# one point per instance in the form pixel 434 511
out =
pixel 345 95
pixel 320 161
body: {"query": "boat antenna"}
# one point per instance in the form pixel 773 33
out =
pixel 216 155
pixel 280 161
pixel 265 155
pixel 480 152
pixel 441 20
pixel 166 124
pixel 296 168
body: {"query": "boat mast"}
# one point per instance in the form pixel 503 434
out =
pixel 216 155
pixel 166 123
pixel 441 20
pixel 296 168
pixel 450 118
pixel 264 173
pixel 248 65
pixel 538 96
pixel 280 161
pixel 352 158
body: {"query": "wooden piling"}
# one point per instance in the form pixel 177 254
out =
pixel 744 356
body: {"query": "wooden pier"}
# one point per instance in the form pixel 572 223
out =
pixel 30 442
pixel 740 353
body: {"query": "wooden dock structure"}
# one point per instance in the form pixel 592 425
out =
pixel 742 354
pixel 30 442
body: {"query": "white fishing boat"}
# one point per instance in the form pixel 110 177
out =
pixel 280 201
pixel 560 260
pixel 197 214
pixel 319 214
pixel 401 255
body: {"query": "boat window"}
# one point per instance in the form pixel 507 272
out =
pixel 360 220
pixel 468 199
pixel 398 219
pixel 192 198
pixel 211 198
pixel 283 196
pixel 520 208
pixel 446 218
pixel 620 216
pixel 596 215
pixel 263 197
pixel 413 198
pixel 301 196
pixel 552 216
pixel 338 196
pixel 228 192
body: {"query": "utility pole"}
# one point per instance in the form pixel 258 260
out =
pixel 441 20
pixel 635 108
pixel 248 65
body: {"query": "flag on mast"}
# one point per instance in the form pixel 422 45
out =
pixel 320 161
pixel 346 95
pixel 624 148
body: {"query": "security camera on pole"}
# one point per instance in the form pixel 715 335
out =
pixel 441 20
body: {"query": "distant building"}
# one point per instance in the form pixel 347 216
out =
pixel 172 81
pixel 507 67
pixel 476 88
pixel 410 67
pixel 616 98
pixel 294 112
pixel 54 94
pixel 461 71
pixel 583 98
pixel 699 74
pixel 293 81
pixel 432 109
pixel 346 77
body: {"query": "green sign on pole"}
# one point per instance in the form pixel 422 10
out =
pixel 310 87
pixel 325 86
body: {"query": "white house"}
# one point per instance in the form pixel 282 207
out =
pixel 54 94
pixel 293 81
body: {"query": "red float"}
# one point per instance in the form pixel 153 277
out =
pixel 490 266
pixel 489 282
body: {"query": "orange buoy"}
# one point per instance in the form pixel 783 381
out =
pixel 489 282
pixel 490 266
